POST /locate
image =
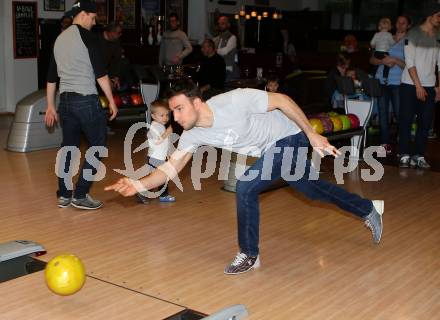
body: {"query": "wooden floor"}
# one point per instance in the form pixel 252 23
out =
pixel 151 261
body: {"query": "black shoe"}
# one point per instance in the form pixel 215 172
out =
pixel 86 203
pixel 142 199
pixel 64 202
pixel 374 220
pixel 242 263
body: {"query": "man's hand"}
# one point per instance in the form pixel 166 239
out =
pixel 321 145
pixel 51 116
pixel 113 110
pixel 437 94
pixel 126 187
pixel 421 93
pixel 176 60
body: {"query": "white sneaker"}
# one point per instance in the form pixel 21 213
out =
pixel 419 162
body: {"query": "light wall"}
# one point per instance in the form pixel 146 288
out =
pixel 18 77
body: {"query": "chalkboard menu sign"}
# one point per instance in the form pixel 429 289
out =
pixel 24 15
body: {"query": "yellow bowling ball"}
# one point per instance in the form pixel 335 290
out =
pixel 65 274
pixel 104 102
pixel 317 125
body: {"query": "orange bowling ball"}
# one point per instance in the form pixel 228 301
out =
pixel 65 274
pixel 136 99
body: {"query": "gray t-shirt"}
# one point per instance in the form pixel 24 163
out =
pixel 77 60
pixel 174 43
pixel 241 124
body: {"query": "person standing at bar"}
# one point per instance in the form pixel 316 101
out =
pixel 175 44
pixel 112 51
pixel 226 44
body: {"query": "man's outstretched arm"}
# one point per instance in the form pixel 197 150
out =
pixel 294 113
pixel 129 187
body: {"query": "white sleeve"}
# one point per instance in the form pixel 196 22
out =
pixel 230 45
pixel 252 100
pixel 186 45
pixel 188 142
pixel 410 54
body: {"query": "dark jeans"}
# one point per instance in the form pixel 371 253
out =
pixel 391 93
pixel 80 114
pixel 386 70
pixel 409 107
pixel 248 191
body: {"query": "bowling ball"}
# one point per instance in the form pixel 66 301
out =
pixel 332 114
pixel 126 100
pixel 355 123
pixel 316 125
pixel 346 123
pixel 104 102
pixel 136 99
pixel 327 124
pixel 117 99
pixel 337 123
pixel 65 274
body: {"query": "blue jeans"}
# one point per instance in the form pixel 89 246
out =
pixel 80 114
pixel 248 212
pixel 409 107
pixel 391 93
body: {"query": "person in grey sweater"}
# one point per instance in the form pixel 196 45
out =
pixel 175 44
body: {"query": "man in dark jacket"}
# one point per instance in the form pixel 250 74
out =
pixel 212 72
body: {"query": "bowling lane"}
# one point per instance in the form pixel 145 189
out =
pixel 28 297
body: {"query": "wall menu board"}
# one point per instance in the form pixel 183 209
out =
pixel 24 17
